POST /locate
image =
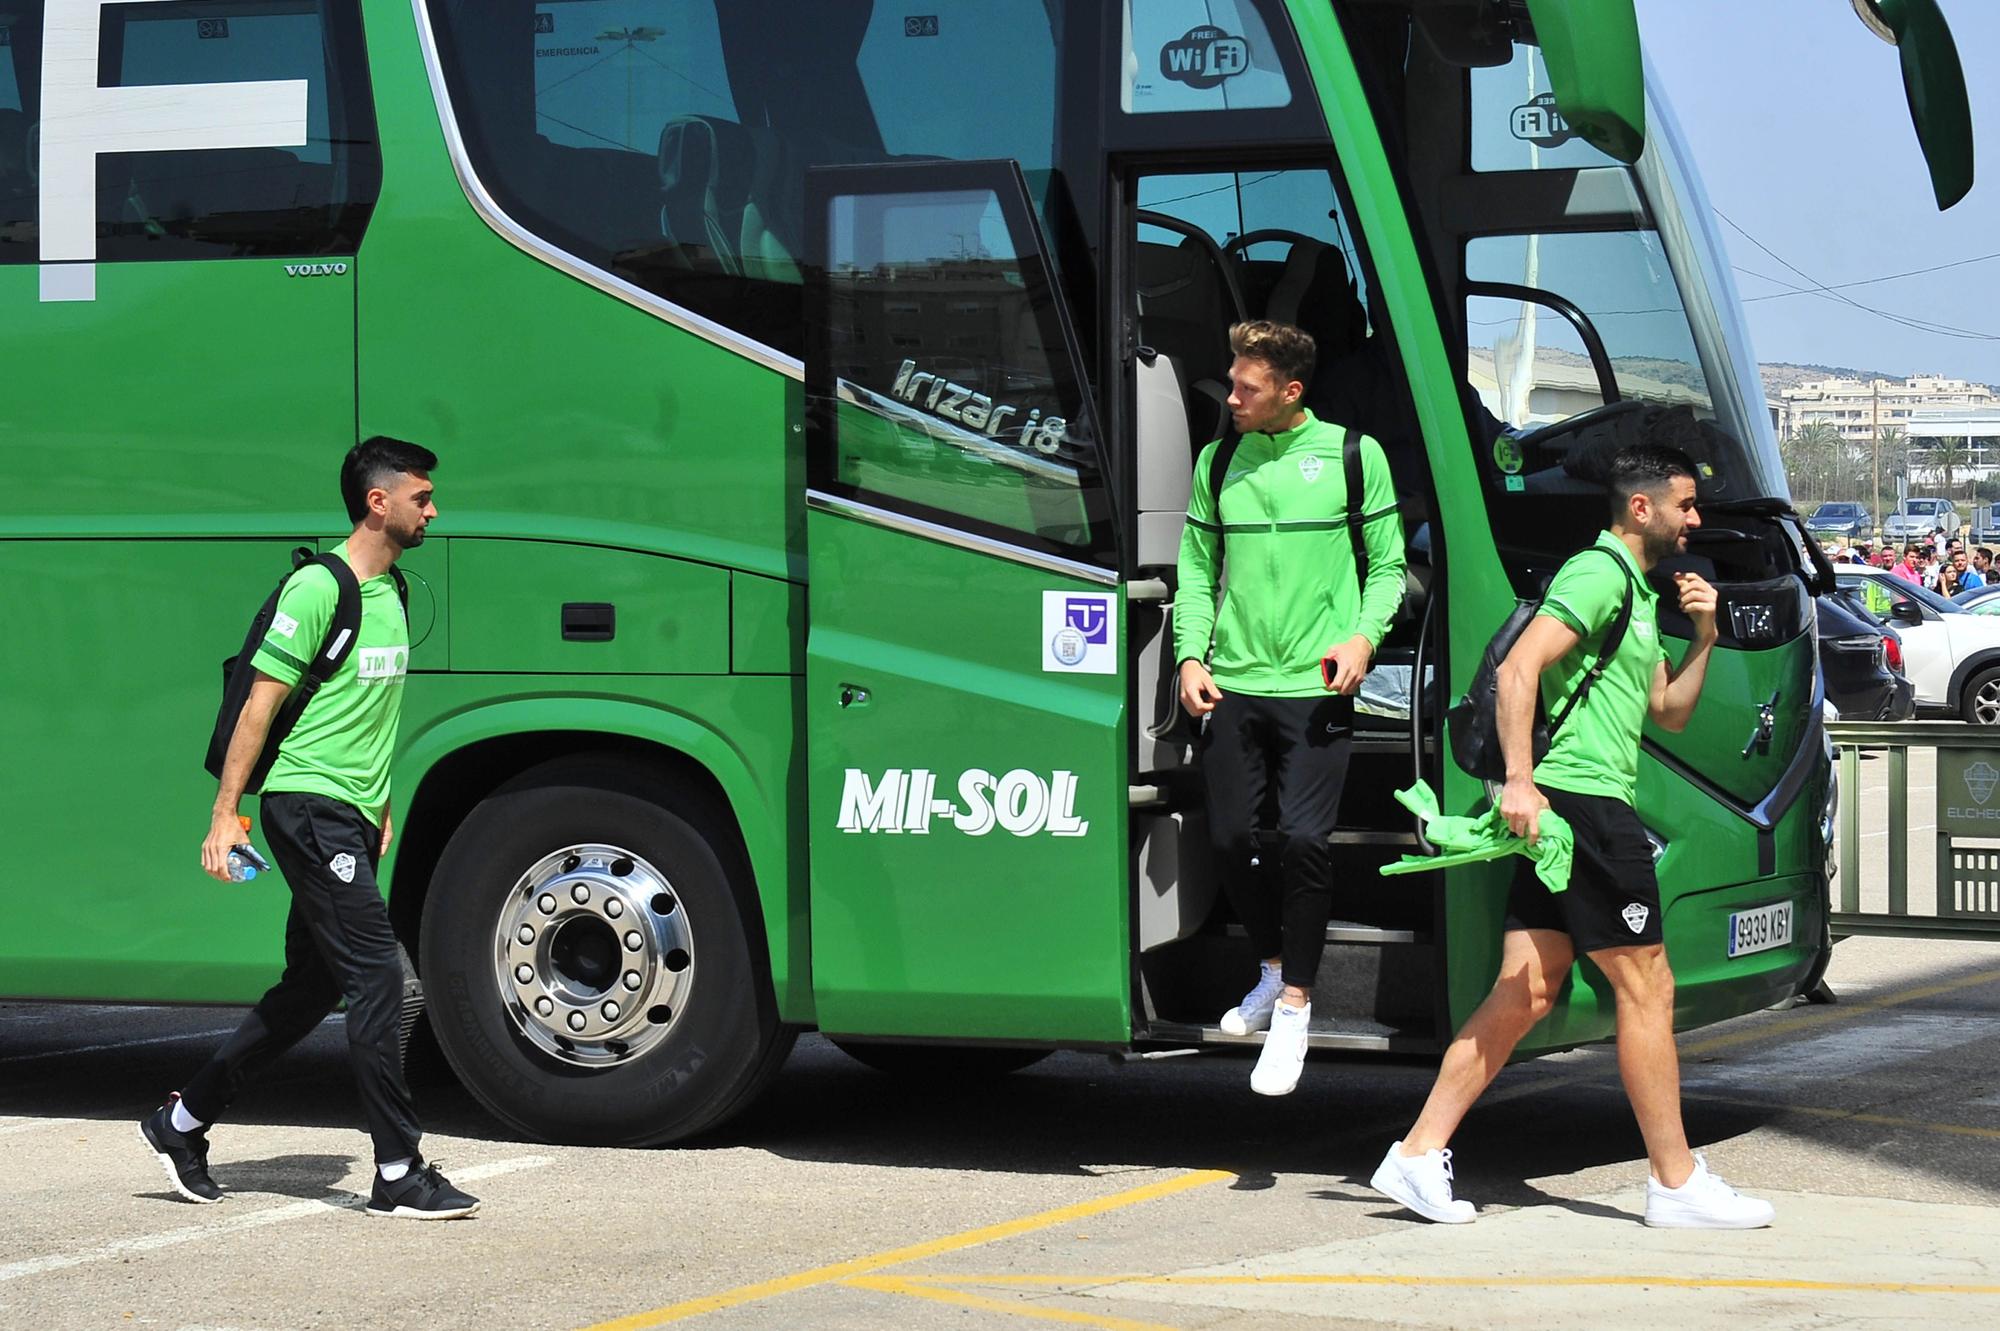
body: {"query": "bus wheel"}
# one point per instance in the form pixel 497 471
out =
pixel 940 1060
pixel 587 962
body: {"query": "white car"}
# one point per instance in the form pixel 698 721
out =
pixel 1951 655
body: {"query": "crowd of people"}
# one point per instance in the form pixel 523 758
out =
pixel 1945 564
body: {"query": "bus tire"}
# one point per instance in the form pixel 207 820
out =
pixel 645 1013
pixel 950 1062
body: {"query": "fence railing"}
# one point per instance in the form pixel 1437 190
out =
pixel 1958 853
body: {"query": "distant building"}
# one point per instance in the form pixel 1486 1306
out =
pixel 1857 409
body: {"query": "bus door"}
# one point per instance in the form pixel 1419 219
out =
pixel 965 676
pixel 182 188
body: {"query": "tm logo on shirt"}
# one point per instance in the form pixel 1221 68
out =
pixel 382 664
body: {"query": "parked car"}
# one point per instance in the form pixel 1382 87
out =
pixel 1837 519
pixel 1979 600
pixel 1949 653
pixel 1861 661
pixel 1985 524
pixel 1918 518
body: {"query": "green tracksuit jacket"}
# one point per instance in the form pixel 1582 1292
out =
pixel 1292 594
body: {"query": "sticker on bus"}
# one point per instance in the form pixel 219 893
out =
pixel 1080 633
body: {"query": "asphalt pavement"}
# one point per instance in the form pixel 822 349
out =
pixel 1085 1191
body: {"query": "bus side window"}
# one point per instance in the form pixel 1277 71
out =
pixel 666 142
pixel 306 198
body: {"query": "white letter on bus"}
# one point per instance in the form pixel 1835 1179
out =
pixel 867 807
pixel 1023 801
pixel 80 120
pixel 977 820
pixel 1062 808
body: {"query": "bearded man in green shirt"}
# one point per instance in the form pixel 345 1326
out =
pixel 326 816
pixel 1274 668
pixel 1610 911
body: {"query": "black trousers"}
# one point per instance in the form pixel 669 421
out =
pixel 338 944
pixel 1274 768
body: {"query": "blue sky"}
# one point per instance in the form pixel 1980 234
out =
pixel 1796 117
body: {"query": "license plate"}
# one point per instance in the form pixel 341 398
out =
pixel 1761 929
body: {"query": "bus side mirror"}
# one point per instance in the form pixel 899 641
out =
pixel 1934 82
pixel 1591 48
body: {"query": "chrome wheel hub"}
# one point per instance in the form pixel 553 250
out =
pixel 592 955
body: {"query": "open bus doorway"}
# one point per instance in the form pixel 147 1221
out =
pixel 1207 247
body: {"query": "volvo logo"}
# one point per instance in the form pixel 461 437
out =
pixel 315 270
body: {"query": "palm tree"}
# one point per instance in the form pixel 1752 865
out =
pixel 1811 458
pixel 1948 454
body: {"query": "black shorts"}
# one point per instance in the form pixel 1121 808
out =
pixel 1613 898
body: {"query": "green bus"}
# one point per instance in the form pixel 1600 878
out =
pixel 817 388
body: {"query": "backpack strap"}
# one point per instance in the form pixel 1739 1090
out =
pixel 341 631
pixel 1614 638
pixel 1218 471
pixel 402 591
pixel 1357 502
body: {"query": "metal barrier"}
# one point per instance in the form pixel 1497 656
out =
pixel 1967 790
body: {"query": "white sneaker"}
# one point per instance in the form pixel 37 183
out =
pixel 1284 1055
pixel 1423 1184
pixel 1254 1012
pixel 1704 1202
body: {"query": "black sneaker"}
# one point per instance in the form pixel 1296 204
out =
pixel 421 1194
pixel 184 1154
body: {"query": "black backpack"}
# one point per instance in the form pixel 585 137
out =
pixel 1474 720
pixel 1350 460
pixel 328 655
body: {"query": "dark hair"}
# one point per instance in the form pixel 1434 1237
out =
pixel 370 464
pixel 1643 469
pixel 1287 349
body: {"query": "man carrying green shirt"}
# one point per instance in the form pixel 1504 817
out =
pixel 326 816
pixel 1611 910
pixel 1275 669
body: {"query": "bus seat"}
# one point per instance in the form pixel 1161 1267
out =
pixel 1184 312
pixel 705 168
pixel 1165 459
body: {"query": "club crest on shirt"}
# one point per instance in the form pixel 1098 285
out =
pixel 1309 467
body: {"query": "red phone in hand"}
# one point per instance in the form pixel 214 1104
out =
pixel 1327 665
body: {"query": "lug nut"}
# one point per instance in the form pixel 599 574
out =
pixel 633 942
pixel 544 1006
pixel 527 934
pixel 614 907
pixel 610 1011
pixel 579 894
pixel 546 904
pixel 632 981
pixel 524 972
pixel 576 1021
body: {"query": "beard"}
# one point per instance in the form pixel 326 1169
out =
pixel 1660 543
pixel 407 538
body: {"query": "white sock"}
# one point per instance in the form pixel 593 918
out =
pixel 392 1170
pixel 182 1120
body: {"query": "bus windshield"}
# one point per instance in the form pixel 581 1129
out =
pixel 1634 254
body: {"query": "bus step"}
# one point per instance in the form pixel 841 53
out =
pixel 1354 836
pixel 1359 1037
pixel 1350 931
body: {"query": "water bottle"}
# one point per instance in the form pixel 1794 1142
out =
pixel 244 861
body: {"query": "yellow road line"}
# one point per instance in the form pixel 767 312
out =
pixel 961 1299
pixel 1467 1282
pixel 1799 1026
pixel 1820 1016
pixel 821 1275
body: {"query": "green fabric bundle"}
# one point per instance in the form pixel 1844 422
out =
pixel 1465 839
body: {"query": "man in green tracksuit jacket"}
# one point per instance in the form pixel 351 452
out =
pixel 1275 669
